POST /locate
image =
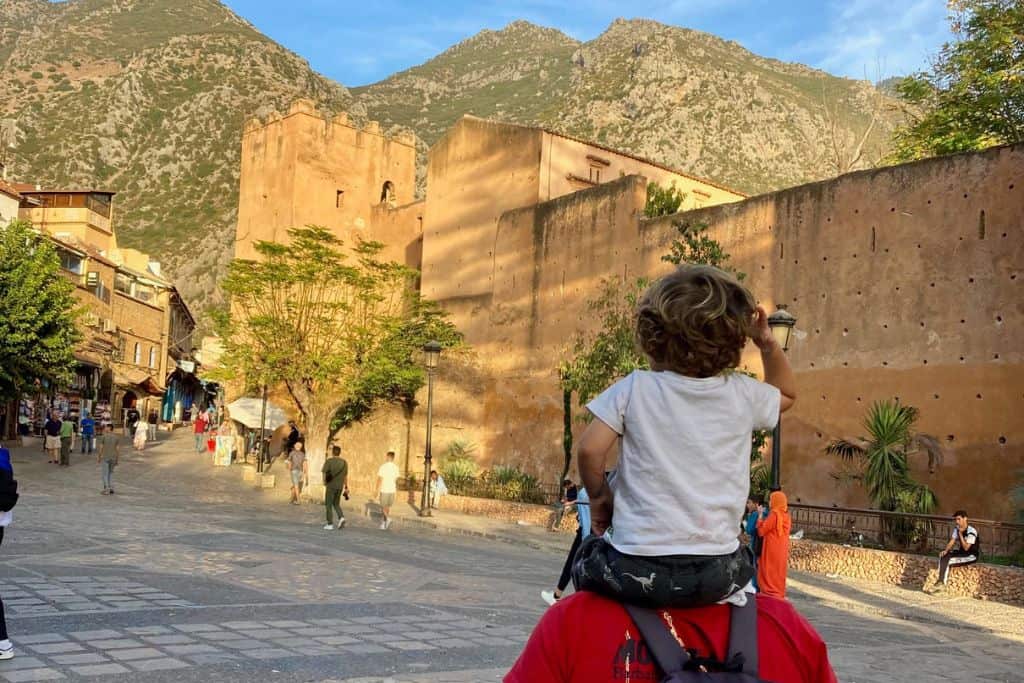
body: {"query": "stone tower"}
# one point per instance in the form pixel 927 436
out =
pixel 304 169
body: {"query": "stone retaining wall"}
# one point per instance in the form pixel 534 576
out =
pixel 507 511
pixel 983 581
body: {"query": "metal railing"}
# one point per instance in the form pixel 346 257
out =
pixel 901 531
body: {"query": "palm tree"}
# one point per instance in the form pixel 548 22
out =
pixel 882 461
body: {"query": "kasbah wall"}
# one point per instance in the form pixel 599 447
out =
pixel 905 282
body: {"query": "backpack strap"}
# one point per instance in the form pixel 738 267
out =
pixel 743 635
pixel 667 653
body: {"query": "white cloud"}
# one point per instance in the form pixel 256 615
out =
pixel 864 36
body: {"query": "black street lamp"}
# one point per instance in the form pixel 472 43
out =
pixel 260 451
pixel 781 323
pixel 431 354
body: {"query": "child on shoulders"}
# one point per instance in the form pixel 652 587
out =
pixel 684 430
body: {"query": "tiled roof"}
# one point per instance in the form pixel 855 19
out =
pixel 9 189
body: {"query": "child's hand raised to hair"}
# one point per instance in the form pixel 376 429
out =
pixel 761 335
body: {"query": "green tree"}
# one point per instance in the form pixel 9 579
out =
pixel 663 201
pixel 880 461
pixel 340 329
pixel 973 95
pixel 37 312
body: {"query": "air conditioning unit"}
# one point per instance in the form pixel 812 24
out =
pixel 92 279
pixel 109 325
pixel 91 320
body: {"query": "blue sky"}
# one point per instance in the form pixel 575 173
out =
pixel 362 42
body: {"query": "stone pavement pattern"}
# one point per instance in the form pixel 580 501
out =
pixel 188 574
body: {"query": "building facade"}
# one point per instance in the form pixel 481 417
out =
pixel 136 330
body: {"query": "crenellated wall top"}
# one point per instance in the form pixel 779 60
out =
pixel 306 107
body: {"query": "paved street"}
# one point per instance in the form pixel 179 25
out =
pixel 187 573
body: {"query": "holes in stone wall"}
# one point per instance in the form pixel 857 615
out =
pixel 977 396
pixel 846 331
pixel 970 280
pixel 999 320
pixel 872 238
pixel 981 225
pixel 950 437
pixel 924 362
pixel 1002 439
pixel 995 356
pixel 782 250
pixel 961 359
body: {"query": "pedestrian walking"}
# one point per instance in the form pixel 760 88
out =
pixel 87 432
pixel 107 454
pixel 335 473
pixel 387 487
pixel 8 499
pixel 67 440
pixel 131 419
pixel 298 467
pixel 141 432
pixel 52 441
pixel 154 418
pixel 199 431
pixel 582 502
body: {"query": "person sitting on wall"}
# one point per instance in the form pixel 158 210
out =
pixel 963 549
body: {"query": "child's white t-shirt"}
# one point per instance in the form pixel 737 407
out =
pixel 684 463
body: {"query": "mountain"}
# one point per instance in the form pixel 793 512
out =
pixel 148 97
pixel 681 97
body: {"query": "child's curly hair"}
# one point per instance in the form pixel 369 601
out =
pixel 695 321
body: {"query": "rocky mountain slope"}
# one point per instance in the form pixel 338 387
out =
pixel 148 98
pixel 684 98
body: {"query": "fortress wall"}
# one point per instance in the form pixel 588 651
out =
pixel 295 166
pixel 906 282
pixel 880 267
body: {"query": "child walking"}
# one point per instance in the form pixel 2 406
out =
pixel 684 458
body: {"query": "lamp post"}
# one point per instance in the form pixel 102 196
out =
pixel 260 455
pixel 431 354
pixel 781 323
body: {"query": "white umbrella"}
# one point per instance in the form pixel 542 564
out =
pixel 248 411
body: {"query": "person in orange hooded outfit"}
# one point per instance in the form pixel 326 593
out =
pixel 774 532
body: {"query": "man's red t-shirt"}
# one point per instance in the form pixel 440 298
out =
pixel 585 638
pixel 200 424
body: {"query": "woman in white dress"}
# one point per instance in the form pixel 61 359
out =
pixel 141 431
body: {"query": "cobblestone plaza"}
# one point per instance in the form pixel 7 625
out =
pixel 187 573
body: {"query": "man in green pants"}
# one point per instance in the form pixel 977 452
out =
pixel 335 473
pixel 67 439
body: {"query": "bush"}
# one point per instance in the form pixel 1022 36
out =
pixel 37 75
pixel 459 473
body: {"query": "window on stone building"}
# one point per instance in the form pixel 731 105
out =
pixel 143 292
pixel 595 174
pixel 73 263
pixel 339 199
pixel 387 194
pixel 138 353
pixel 123 283
pixel 152 356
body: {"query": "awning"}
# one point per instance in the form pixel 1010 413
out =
pixel 139 381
